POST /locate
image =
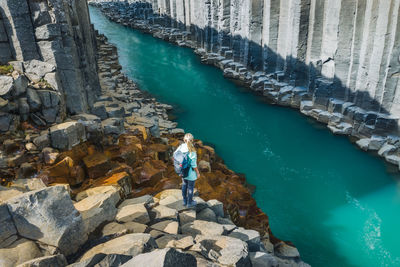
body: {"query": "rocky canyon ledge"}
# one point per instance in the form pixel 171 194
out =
pixel 336 61
pixel 86 175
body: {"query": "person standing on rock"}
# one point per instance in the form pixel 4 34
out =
pixel 190 172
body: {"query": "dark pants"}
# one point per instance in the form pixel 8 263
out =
pixel 187 190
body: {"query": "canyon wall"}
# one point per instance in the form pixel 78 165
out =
pixel 51 46
pixel 343 53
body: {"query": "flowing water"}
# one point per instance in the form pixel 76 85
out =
pixel 340 206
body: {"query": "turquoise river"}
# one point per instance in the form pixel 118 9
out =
pixel 340 206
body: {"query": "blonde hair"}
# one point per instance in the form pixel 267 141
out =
pixel 188 139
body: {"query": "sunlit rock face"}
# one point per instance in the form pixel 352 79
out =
pixel 50 42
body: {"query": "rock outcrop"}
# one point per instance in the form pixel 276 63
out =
pixel 336 61
pixel 48 60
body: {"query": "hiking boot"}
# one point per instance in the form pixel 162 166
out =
pixel 192 204
pixel 185 203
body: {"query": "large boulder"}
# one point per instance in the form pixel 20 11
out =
pixel 67 134
pixel 18 252
pixel 199 227
pixel 7 229
pixel 53 261
pixel 98 208
pixel 225 250
pixel 167 257
pixel 53 220
pixel 131 245
pixel 162 213
pixel 251 237
pixel 136 212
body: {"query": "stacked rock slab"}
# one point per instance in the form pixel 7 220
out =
pixel 50 43
pixel 337 61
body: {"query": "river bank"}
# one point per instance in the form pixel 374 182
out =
pixel 371 131
pixel 118 156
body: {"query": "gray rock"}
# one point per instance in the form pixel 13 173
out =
pixel 217 206
pixel 130 245
pixel 86 117
pixel 36 70
pixel 5 121
pixel 6 84
pixel 262 259
pixel 225 250
pixel 363 143
pixel 114 228
pixel 145 200
pixel 20 85
pixel 136 212
pixel 49 98
pixel 168 226
pixel 17 65
pixel 162 212
pixel 19 252
pixel 42 141
pixel 67 134
pixel 23 106
pixel 198 227
pixel 187 216
pixel 6 193
pixel 99 208
pixel 167 257
pixel 115 112
pixel 207 214
pixel 285 251
pixel 114 126
pixel 54 81
pixel 33 99
pixel 99 109
pixel 103 260
pixel 181 243
pixel 52 204
pixel 29 184
pixel 386 149
pixel 251 237
pixel 394 159
pixel 53 261
pixel 376 142
pixel 174 202
pixel 7 229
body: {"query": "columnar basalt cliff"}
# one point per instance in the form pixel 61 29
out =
pixel 51 46
pixel 335 60
pixel 86 176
